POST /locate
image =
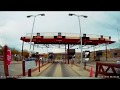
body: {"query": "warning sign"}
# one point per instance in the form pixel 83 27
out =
pixel 30 63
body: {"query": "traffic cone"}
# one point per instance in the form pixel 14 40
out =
pixel 91 72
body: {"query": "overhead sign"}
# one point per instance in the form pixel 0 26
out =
pixel 102 38
pixel 38 34
pixel 59 36
pixel 35 37
pixel 9 59
pixel 30 63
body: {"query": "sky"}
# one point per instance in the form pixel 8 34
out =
pixel 15 24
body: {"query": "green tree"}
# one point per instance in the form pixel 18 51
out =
pixel 25 53
pixel 1 50
pixel 14 51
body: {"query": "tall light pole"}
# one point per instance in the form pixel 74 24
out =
pixel 80 30
pixel 47 53
pixel 33 26
pixel 118 38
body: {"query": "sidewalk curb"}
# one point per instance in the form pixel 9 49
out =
pixel 74 70
pixel 43 70
pixel 85 69
pixel 89 70
pixel 32 70
pixel 38 67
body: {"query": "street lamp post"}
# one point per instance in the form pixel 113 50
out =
pixel 118 38
pixel 47 53
pixel 33 26
pixel 80 30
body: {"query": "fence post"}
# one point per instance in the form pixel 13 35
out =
pixel 96 73
pixel 29 72
pixel 39 65
pixel 85 65
pixel 23 67
pixel 5 61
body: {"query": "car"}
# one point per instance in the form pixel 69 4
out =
pixel 40 58
pixel 118 62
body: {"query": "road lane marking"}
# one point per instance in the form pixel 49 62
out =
pixel 57 72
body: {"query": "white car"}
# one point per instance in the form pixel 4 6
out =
pixel 118 62
pixel 41 58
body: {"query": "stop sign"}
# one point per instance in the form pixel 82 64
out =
pixel 8 57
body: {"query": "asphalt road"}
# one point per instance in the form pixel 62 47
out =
pixel 14 69
pixel 58 69
pixel 49 72
pixel 67 71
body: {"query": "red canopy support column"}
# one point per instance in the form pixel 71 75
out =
pixel 68 53
pixel 23 61
pixel 65 53
pixel 106 51
pixel 94 53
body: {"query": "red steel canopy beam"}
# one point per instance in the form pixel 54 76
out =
pixel 65 41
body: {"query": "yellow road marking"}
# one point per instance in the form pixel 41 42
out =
pixel 57 72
